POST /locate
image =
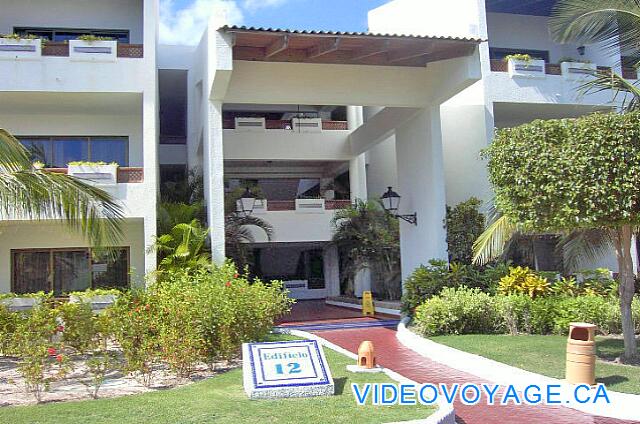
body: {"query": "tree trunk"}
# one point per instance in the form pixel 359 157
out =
pixel 623 238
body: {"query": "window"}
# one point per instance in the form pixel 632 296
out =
pixel 499 53
pixel 57 152
pixel 69 269
pixel 66 34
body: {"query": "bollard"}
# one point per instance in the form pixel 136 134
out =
pixel 581 354
pixel 366 355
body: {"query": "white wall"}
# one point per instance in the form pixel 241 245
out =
pixel 287 145
pixel 28 235
pixel 90 14
pixel 292 226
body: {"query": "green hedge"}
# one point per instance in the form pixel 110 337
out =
pixel 463 311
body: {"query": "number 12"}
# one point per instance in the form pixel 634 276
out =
pixel 294 368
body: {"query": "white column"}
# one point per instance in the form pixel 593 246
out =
pixel 331 270
pixel 357 165
pixel 213 174
pixel 421 183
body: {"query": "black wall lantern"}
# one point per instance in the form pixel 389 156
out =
pixel 246 203
pixel 390 203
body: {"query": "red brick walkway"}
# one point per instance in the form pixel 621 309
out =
pixel 393 355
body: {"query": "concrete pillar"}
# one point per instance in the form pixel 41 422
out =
pixel 331 270
pixel 213 173
pixel 357 165
pixel 421 183
pixel 362 282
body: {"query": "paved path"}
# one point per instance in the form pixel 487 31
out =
pixel 393 355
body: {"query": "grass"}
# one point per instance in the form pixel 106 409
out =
pixel 221 399
pixel 546 355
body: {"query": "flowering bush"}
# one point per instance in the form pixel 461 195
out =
pixel 522 280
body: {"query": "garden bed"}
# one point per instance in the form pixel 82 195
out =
pixel 546 355
pixel 221 399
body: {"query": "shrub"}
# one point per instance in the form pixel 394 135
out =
pixel 514 312
pixel 522 280
pixel 465 223
pixel 8 322
pixel 457 311
pixel 423 283
pixel 39 354
pixel 78 326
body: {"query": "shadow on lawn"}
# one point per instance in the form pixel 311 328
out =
pixel 340 383
pixel 610 348
pixel 612 379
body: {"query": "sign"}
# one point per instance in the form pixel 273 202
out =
pixel 367 304
pixel 296 368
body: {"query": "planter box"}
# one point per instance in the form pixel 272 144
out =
pixel 329 194
pixel 578 71
pixel 260 207
pixel 95 174
pixel 310 205
pixel 250 124
pixel 307 125
pixel 23 49
pixel 93 51
pixel 524 69
pixel 97 303
pixel 18 304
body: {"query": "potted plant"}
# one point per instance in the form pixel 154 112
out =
pixel 523 65
pixel 573 69
pixel 93 48
pixel 15 46
pixel 101 173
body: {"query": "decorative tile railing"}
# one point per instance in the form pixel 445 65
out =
pixel 125 174
pixel 283 124
pixel 290 205
pixel 62 49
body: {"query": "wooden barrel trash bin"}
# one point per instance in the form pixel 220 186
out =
pixel 581 354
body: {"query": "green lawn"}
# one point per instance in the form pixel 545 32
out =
pixel 222 400
pixel 546 355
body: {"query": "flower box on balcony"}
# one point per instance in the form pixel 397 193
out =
pixel 310 205
pixel 307 125
pixel 20 49
pixel 578 71
pixel 95 173
pixel 93 50
pixel 534 68
pixel 250 124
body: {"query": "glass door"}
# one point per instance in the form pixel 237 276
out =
pixel 31 271
pixel 71 271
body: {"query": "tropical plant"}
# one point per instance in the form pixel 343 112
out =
pixel 27 192
pixel 183 247
pixel 371 239
pixel 522 280
pixel 580 174
pixel 189 190
pixel 238 237
pixel 171 214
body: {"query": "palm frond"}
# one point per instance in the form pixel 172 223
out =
pixel 584 245
pixel 624 91
pixel 610 22
pixel 491 243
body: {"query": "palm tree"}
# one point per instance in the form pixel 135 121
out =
pixel 34 194
pixel 371 239
pixel 183 247
pixel 238 237
pixel 614 23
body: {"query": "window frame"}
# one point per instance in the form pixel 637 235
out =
pixel 51 250
pixel 86 138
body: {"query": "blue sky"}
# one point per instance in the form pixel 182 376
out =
pixel 182 21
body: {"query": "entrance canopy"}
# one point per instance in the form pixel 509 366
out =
pixel 349 48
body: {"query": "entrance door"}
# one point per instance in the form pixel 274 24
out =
pixel 71 271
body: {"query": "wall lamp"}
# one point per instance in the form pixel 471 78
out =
pixel 390 203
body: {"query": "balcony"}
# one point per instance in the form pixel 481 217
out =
pixel 132 51
pixel 287 124
pixel 293 205
pixel 126 175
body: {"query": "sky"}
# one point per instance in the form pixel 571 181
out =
pixel 183 21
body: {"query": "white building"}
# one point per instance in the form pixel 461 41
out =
pixel 314 119
pixel 81 101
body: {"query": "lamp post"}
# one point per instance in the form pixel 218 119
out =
pixel 391 201
pixel 246 203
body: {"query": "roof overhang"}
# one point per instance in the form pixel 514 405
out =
pixel 349 48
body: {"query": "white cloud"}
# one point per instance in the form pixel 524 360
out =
pixel 251 5
pixel 185 26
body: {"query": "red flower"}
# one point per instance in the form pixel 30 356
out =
pixel 51 351
pixel 228 284
pixel 60 328
pixel 59 358
pixel 236 275
pixel 146 307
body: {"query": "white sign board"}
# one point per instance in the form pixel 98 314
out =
pixel 296 368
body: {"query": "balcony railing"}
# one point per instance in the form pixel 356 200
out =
pixel 62 49
pixel 290 205
pixel 499 65
pixel 125 174
pixel 287 124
